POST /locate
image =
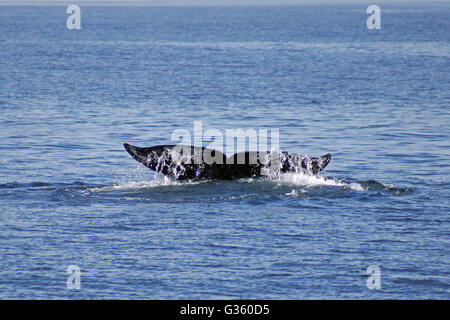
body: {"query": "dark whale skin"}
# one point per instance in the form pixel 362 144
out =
pixel 168 160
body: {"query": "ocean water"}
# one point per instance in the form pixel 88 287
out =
pixel 378 100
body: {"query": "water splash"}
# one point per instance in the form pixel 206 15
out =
pixel 306 180
pixel 158 181
pixel 300 183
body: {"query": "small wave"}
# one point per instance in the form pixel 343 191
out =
pixel 301 179
pixel 422 281
pixel 294 179
pixel 372 185
pixel 17 185
pixel 289 184
pixel 136 185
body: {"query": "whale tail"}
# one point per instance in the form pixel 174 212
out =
pixel 192 162
pixel 318 164
pixel 140 154
pixel 180 161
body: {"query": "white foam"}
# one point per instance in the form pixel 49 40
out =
pixel 301 179
pixel 133 185
pixel 135 181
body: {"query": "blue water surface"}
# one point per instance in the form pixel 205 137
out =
pixel 378 100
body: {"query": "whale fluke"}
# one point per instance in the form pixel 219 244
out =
pixel 191 162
